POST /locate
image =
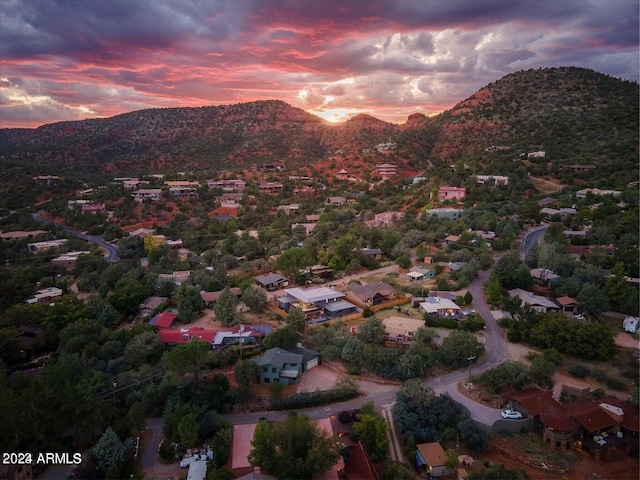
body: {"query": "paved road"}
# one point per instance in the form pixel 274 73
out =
pixel 531 237
pixel 112 252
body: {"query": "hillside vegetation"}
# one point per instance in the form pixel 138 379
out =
pixel 574 114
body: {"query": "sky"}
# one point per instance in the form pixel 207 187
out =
pixel 66 60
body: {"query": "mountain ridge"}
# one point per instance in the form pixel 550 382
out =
pixel 578 114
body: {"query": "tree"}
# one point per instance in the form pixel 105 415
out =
pixel 190 303
pixel 152 242
pixel 188 358
pixel 370 428
pixel 452 459
pixel 137 417
pixel 297 318
pixel 593 300
pixel 109 451
pixel 188 430
pixel 226 307
pixel 397 471
pixel 255 298
pixel 493 472
pixel 293 448
pixel 143 348
pixel 286 337
pixel 372 331
pixel 457 348
pixel 245 372
pixel 291 261
pixel 127 295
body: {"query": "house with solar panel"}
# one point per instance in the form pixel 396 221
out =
pixel 440 307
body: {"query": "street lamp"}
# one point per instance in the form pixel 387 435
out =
pixel 470 359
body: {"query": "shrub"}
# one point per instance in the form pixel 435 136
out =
pixel 579 371
pixel 442 322
pixel 354 370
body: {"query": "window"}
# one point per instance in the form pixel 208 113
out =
pixel 273 369
pixel 266 380
pixel 265 369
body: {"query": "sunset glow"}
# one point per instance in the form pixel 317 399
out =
pixel 62 60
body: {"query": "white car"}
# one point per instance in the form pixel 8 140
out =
pixel 511 414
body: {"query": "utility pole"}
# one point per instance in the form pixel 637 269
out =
pixel 241 340
pixel 470 359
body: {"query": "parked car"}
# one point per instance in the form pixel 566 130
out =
pixel 511 414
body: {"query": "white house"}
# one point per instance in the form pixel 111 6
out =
pixel 439 306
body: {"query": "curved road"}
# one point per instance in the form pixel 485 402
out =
pixel 112 252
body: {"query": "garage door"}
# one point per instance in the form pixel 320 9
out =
pixel 312 363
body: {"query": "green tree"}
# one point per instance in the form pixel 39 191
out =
pixel 499 471
pixel 370 428
pixel 286 337
pixel 291 261
pixel 372 331
pixel 397 471
pixel 190 303
pixel 592 299
pixel 255 298
pixel 127 295
pixel 188 430
pixel 293 448
pixel 109 451
pixel 457 348
pixel 226 307
pixel 245 372
pixel 188 358
pixel 297 318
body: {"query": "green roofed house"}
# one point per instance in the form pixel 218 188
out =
pixel 279 365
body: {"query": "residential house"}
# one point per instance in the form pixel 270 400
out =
pixel 30 338
pixel 579 167
pixel 384 147
pixel 343 174
pixel 274 167
pixel 293 208
pixel 450 213
pixel 310 358
pixel 376 253
pixel 372 293
pixel 449 239
pixel 386 170
pixel 39 247
pixel 210 298
pixel 400 331
pixel 335 201
pixel 538 154
pixel 182 183
pixel 448 267
pixel 68 260
pixel 451 193
pixel 385 219
pixel 545 202
pixel 279 365
pixel 141 232
pixel 544 276
pixel 567 304
pixel 235 185
pixel 45 295
pixel 151 194
pixel 319 304
pixel 240 449
pixel 309 228
pixel 177 278
pixel 241 334
pixel 432 458
pixel 441 307
pixel 270 187
pixel 630 324
pixel 496 180
pixel 596 191
pixel 563 213
pixel 272 281
pixel 312 218
pixel 184 193
pixel 537 302
pixel 595 426
pixel 93 208
pixel 151 304
pixel 181 336
pixel 20 234
pixel 418 273
pixel 163 320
